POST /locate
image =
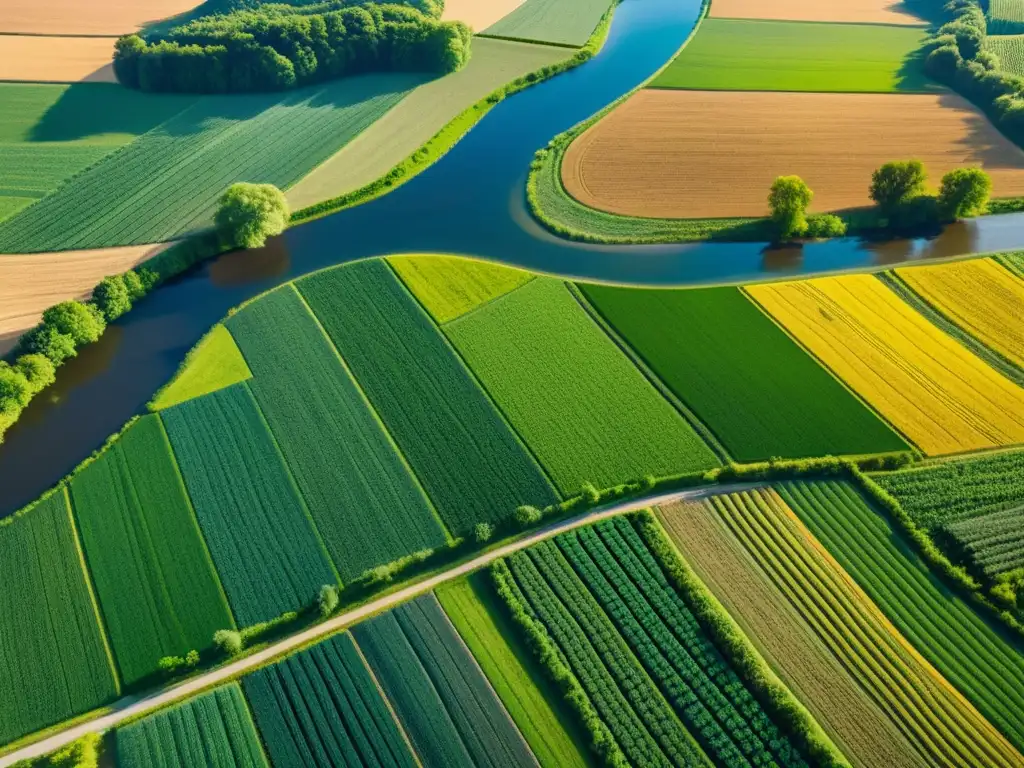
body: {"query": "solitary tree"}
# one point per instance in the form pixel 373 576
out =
pixel 964 193
pixel 327 600
pixel 82 322
pixel 897 183
pixel 788 201
pixel 250 213
pixel 527 515
pixel 482 532
pixel 229 641
pixel 111 297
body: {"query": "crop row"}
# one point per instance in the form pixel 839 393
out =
pixel 975 656
pixel 994 542
pixel 1005 17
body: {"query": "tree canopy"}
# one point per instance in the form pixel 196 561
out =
pixel 250 213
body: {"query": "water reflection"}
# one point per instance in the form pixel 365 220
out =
pixel 245 267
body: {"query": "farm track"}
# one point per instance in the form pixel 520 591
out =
pixel 132 707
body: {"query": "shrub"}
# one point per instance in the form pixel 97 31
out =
pixel 989 60
pixel 38 370
pixel 527 515
pixel 228 641
pixel 192 659
pixel 824 225
pixel 111 297
pixel 964 192
pixel 942 63
pixel 250 213
pixel 82 322
pixel 896 183
pixel 590 494
pixel 15 390
pixel 50 343
pixel 83 752
pixel 648 483
pixel 170 664
pixel 327 601
pixel 482 532
pixel 788 201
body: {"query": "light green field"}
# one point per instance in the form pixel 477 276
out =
pixel 1005 17
pixel 215 363
pixel 561 22
pixel 418 117
pixel 1010 50
pixel 741 55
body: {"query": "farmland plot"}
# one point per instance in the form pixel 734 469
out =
pixel 1010 50
pixel 53 659
pixel 262 541
pixel 981 296
pixel 924 382
pixel 1005 17
pixel 993 542
pixel 213 730
pixel 449 710
pixel 560 22
pixel 214 364
pixel 366 504
pixel 931 714
pixel 64 17
pixel 471 464
pixel 450 286
pixel 168 182
pixel 585 411
pixel 321 707
pixel 977 657
pixel 154 579
pixel 757 391
pixel 850 11
pixel 40 59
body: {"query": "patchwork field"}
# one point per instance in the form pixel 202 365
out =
pixel 64 17
pixel 471 464
pixel 715 154
pixel 156 586
pixel 444 702
pixel 586 412
pixel 757 391
pixel 423 112
pixel 981 296
pixel 1005 17
pixel 745 55
pixel 57 59
pixel 321 707
pixel 924 382
pixel 365 502
pixel 850 11
pixel 559 22
pixel 54 662
pixel 214 729
pixel 860 726
pixel 980 659
pixel 262 540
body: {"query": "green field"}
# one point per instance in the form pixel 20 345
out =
pixel 470 463
pixel 366 504
pixel 944 491
pixel 214 730
pixel 533 701
pixel 155 583
pixel 562 22
pixel 53 659
pixel 586 412
pixel 742 55
pixel 48 133
pixel 993 542
pixel 449 287
pixel 1009 49
pixel 326 685
pixel 1005 17
pixel 448 710
pixel 167 183
pixel 259 533
pixel 976 656
pixel 758 392
pixel 214 364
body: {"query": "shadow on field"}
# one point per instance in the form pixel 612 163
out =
pixel 910 77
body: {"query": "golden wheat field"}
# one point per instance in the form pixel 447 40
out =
pixel 40 59
pixel 73 17
pixel 849 11
pixel 981 296
pixel 712 154
pixel 924 382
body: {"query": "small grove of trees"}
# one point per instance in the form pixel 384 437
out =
pixel 250 213
pixel 172 665
pixel 900 190
pixel 788 201
pixel 327 600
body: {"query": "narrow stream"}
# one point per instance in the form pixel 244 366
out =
pixel 470 202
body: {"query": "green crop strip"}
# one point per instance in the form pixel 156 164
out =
pixel 993 542
pixel 559 22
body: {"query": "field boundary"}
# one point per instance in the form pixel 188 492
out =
pixel 527 40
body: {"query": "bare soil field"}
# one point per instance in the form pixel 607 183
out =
pixel 40 59
pixel 31 283
pixel 853 11
pixel 72 17
pixel 478 14
pixel 713 154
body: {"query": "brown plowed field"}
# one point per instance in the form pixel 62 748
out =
pixel 711 154
pixel 860 729
pixel 859 11
pixel 31 283
pixel 75 17
pixel 57 59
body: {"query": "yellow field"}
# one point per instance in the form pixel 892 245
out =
pixel 925 383
pixel 981 296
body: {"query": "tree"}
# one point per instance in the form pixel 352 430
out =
pixel 82 322
pixel 250 213
pixel 327 600
pixel 788 200
pixel 527 515
pixel 964 193
pixel 590 493
pixel 51 343
pixel 897 183
pixel 229 641
pixel 38 369
pixel 111 297
pixel 15 390
pixel 482 532
pixel 192 659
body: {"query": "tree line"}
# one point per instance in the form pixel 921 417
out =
pixel 276 47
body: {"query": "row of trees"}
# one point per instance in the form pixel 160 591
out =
pixel 269 49
pixel 899 190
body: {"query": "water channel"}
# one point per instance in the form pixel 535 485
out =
pixel 470 202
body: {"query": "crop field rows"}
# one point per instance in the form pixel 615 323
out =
pixel 1005 17
pixel 993 542
pixel 550 21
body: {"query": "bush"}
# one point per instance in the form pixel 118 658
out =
pixel 788 200
pixel 50 343
pixel 896 183
pixel 942 63
pixel 250 213
pixel 964 192
pixel 111 297
pixel 526 516
pixel 590 494
pixel 192 659
pixel 170 664
pixel 15 390
pixel 228 641
pixel 82 322
pixel 482 532
pixel 824 225
pixel 38 370
pixel 327 601
pixel 83 752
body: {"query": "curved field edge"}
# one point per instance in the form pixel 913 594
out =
pixel 436 148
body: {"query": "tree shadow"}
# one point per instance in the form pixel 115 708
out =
pixel 911 77
pixel 982 142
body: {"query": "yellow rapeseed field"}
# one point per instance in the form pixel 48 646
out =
pixel 981 296
pixel 924 382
